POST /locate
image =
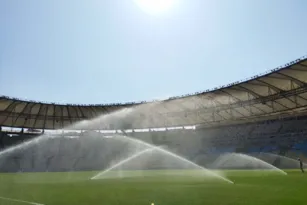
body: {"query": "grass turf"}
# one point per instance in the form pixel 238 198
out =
pixel 251 187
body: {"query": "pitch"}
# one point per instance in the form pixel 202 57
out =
pixel 173 188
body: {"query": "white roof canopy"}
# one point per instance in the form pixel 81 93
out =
pixel 283 90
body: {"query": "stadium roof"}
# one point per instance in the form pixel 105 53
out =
pixel 280 92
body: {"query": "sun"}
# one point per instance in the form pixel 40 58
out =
pixel 155 6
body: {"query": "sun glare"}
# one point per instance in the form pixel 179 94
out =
pixel 155 6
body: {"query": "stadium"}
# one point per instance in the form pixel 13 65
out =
pixel 235 144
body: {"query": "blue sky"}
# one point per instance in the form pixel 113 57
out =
pixel 104 51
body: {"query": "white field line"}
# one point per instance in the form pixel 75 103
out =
pixel 20 201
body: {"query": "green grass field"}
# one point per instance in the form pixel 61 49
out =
pixel 251 187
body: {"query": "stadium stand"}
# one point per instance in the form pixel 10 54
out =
pixel 79 150
pixel 266 113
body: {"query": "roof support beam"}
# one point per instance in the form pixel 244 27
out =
pixel 276 89
pixel 94 112
pixel 83 115
pixel 250 105
pixel 29 116
pixel 185 109
pixel 300 69
pixel 54 116
pixel 215 102
pixel 10 107
pixel 45 119
pixel 69 115
pixel 237 100
pixel 37 116
pixel 9 110
pixel 297 81
pixel 301 65
pixel 216 111
pixel 89 111
pixel 255 95
pixel 286 77
pixel 78 118
pixel 22 112
pixel 105 110
pixel 77 114
pixel 202 106
pixel 262 100
pixel 62 116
